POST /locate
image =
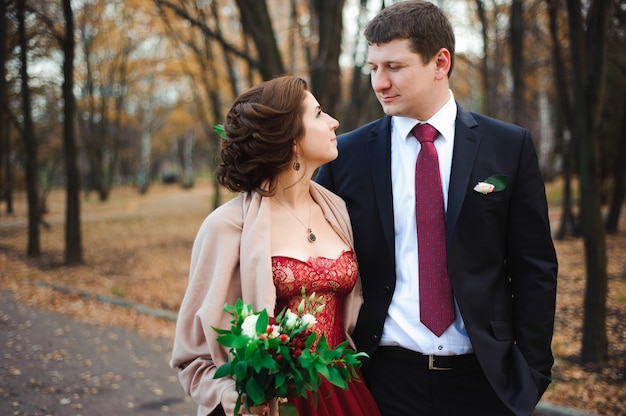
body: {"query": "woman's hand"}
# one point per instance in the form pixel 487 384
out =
pixel 267 409
pixel 262 410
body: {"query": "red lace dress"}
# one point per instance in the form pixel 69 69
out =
pixel 332 279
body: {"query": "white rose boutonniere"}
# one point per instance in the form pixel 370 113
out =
pixel 484 188
pixel 494 183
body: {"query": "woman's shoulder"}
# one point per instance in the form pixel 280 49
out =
pixel 330 196
pixel 227 215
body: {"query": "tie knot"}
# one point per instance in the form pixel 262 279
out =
pixel 424 132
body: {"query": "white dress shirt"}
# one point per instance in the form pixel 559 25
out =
pixel 402 325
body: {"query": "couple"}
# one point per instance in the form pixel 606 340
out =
pixel 491 354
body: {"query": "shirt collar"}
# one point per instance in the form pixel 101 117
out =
pixel 443 120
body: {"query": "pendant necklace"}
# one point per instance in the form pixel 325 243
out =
pixel 310 235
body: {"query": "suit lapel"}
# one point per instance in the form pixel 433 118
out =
pixel 379 160
pixel 466 141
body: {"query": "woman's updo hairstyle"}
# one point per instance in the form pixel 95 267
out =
pixel 261 128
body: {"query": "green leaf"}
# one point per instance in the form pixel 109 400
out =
pixel 219 129
pixel 227 340
pixel 224 370
pixel 262 322
pixel 311 339
pixel 268 361
pixel 324 371
pixel 281 315
pixel 251 349
pixel 336 379
pixel 241 369
pixel 280 380
pixel 238 341
pixel 254 391
pixel 238 403
pixel 255 360
pixel 499 181
pixel 222 331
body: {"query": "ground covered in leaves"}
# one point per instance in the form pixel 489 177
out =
pixel 137 248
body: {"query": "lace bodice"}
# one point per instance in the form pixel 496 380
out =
pixel 332 279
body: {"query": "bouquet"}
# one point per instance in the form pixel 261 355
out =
pixel 272 358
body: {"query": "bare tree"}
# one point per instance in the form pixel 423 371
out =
pixel 73 245
pixel 30 141
pixel 6 185
pixel 204 74
pixel 257 24
pixel 565 125
pixel 589 65
pixel 619 176
pixel 106 48
pixel 362 105
pixel 617 61
pixel 517 61
pixel 325 72
pixel 484 67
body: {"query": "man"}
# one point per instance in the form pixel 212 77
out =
pixel 489 351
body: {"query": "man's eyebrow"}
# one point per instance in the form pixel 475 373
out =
pixel 387 62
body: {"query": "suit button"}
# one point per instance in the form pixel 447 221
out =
pixel 387 289
pixel 375 337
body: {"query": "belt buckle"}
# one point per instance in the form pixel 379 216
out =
pixel 432 366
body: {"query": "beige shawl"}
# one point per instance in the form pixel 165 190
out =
pixel 231 259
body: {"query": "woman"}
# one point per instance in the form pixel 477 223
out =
pixel 282 232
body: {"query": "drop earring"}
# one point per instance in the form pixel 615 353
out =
pixel 296 165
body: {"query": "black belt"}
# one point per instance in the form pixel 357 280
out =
pixel 431 362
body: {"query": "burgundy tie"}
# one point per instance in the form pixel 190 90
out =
pixel 436 302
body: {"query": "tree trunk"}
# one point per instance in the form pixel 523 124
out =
pixel 214 98
pixel 6 163
pixel 256 23
pixel 6 186
pixel 517 61
pixel 484 67
pixel 30 142
pixel 144 164
pixel 567 225
pixel 73 246
pixel 90 139
pixel 619 175
pixel 118 133
pixel 586 88
pixel 325 72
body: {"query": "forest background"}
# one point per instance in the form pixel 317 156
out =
pixel 100 95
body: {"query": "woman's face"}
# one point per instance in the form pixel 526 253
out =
pixel 319 144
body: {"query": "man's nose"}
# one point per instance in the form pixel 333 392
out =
pixel 380 81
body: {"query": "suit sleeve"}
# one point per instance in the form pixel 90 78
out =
pixel 532 263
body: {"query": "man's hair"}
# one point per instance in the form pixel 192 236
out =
pixel 425 26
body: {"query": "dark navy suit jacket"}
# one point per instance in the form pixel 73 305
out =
pixel 501 259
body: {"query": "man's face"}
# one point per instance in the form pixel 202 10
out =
pixel 403 83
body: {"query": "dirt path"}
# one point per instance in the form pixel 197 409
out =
pixel 53 365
